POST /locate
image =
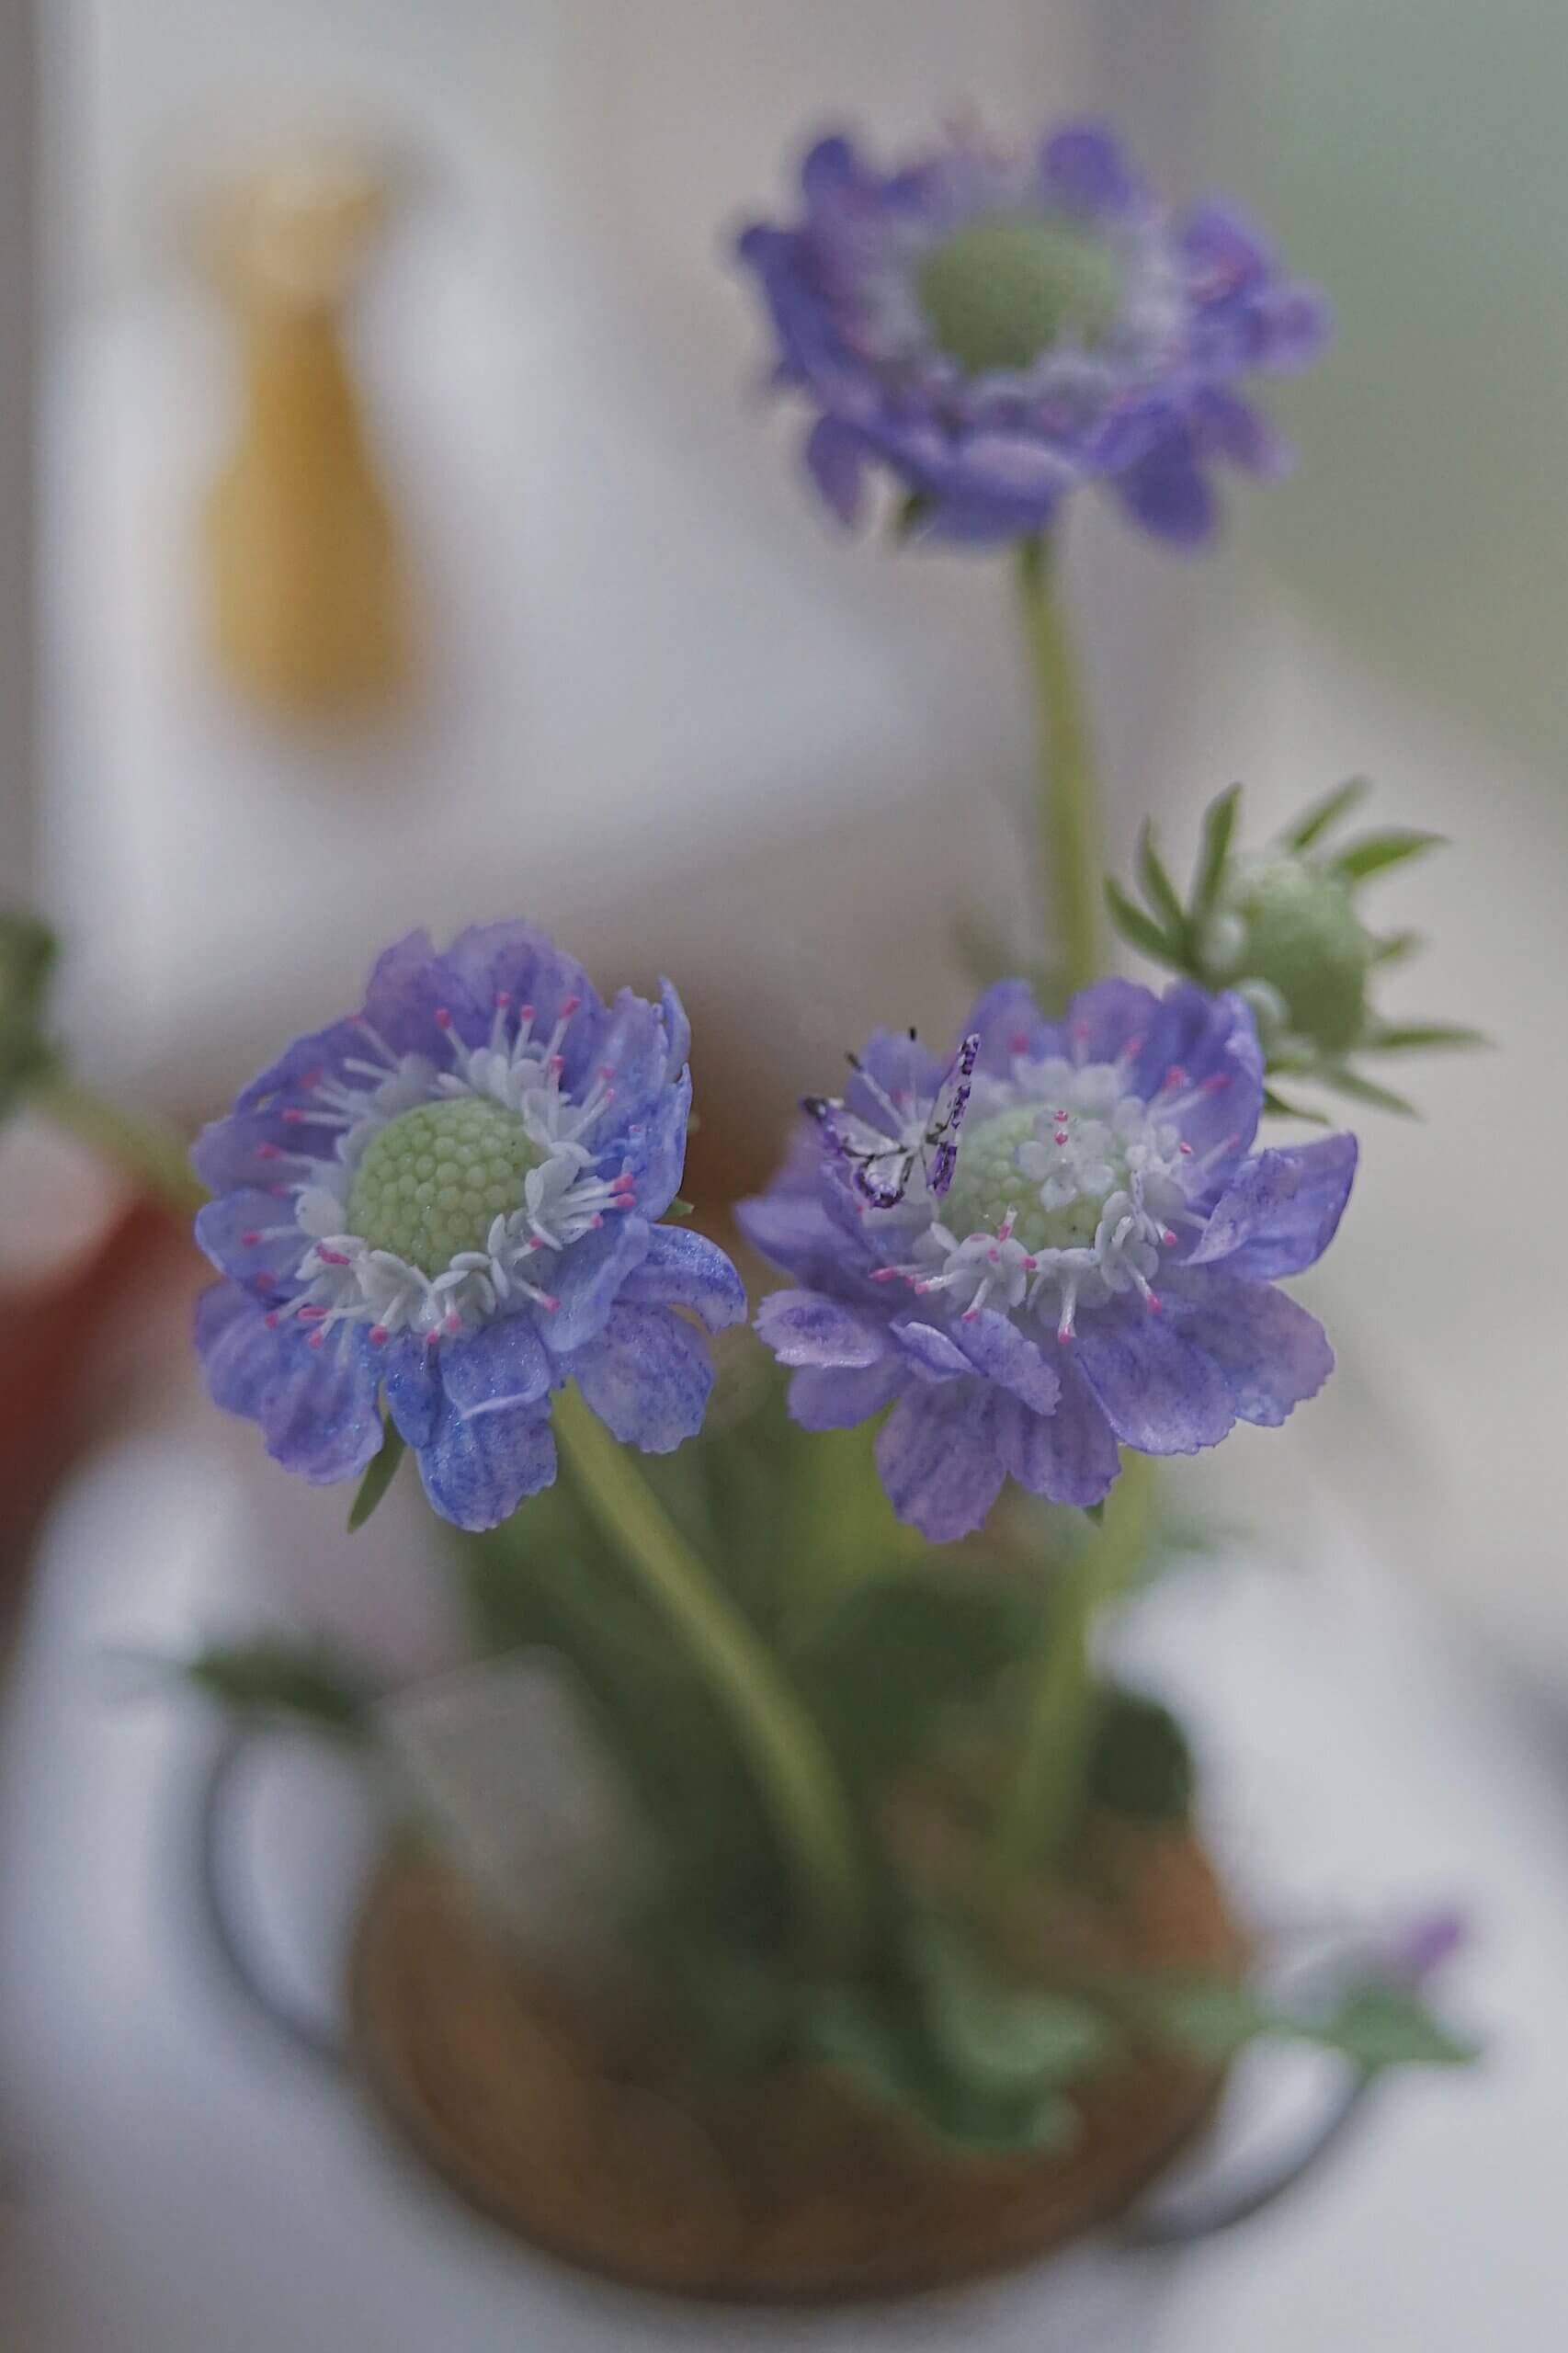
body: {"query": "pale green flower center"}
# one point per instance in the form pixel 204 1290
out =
pixel 435 1180
pixel 988 1184
pixel 1005 288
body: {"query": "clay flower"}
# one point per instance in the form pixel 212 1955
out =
pixel 448 1199
pixel 1093 1268
pixel 993 329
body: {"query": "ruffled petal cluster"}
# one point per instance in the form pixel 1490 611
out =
pixel 447 1203
pixel 992 330
pixel 1099 1273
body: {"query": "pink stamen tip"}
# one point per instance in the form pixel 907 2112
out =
pixel 380 1336
pixel 503 999
pixel 268 1151
pixel 311 1314
pixel 533 1243
pixel 595 1222
pixel 1133 1047
pixel 1080 1029
pixel 970 1315
pixel 607 1070
pixel 1154 1303
pixel 525 1012
pixel 885 1275
pixel 569 1006
pixel 272 1319
pixel 1175 1075
pixel 250 1239
pixel 1019 1041
pixel 453 1323
pixel 1218 1083
pixel 260 1283
pixel 1030 1263
pixel 1168 1238
pixel 316 1340
pixel 332 1257
pixel 1066 1335
pixel 922 1288
pixel 1061 1136
pixel 1185 1149
pixel 549 1303
pixel 557 1065
pixel 432 1339
pixel 295 1117
pixel 443 1018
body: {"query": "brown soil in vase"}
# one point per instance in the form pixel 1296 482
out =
pixel 791 2190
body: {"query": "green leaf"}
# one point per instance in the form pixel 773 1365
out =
pixel 1218 824
pixel 380 1472
pixel 881 2044
pixel 27 961
pixel 1094 1512
pixel 1315 821
pixel 1408 1037
pixel 1139 929
pixel 1156 884
pixel 1381 2025
pixel 1373 2022
pixel 1001 2039
pixel 910 517
pixel 1395 946
pixel 1373 852
pixel 1139 1764
pixel 1283 1110
pixel 1366 1090
pixel 679 1209
pixel 275 1675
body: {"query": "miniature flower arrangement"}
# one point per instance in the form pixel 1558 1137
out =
pixel 923 1969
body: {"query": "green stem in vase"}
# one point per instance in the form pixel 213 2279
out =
pixel 792 1768
pixel 151 1154
pixel 1044 1802
pixel 1069 820
pixel 1045 1799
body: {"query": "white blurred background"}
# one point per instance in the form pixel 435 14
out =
pixel 661 705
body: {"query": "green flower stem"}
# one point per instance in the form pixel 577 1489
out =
pixel 792 1768
pixel 151 1154
pixel 1069 823
pixel 1045 1799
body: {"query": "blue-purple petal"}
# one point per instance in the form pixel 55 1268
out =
pixel 1070 1455
pixel 316 1406
pixel 411 1379
pixel 804 1327
pixel 835 1397
pixel 933 1354
pixel 477 1468
pixel 834 455
pixel 1171 496
pixel 504 1363
pixel 1280 1210
pixel 994 1347
pixel 408 987
pixel 940 1460
pixel 647 1378
pixel 685 1269
pixel 1273 1355
pixel 585 1280
pixel 1083 168
pixel 1158 1393
pixel 253 1236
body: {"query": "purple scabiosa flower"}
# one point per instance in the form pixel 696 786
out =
pixel 1094 1269
pixel 449 1198
pixel 994 329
